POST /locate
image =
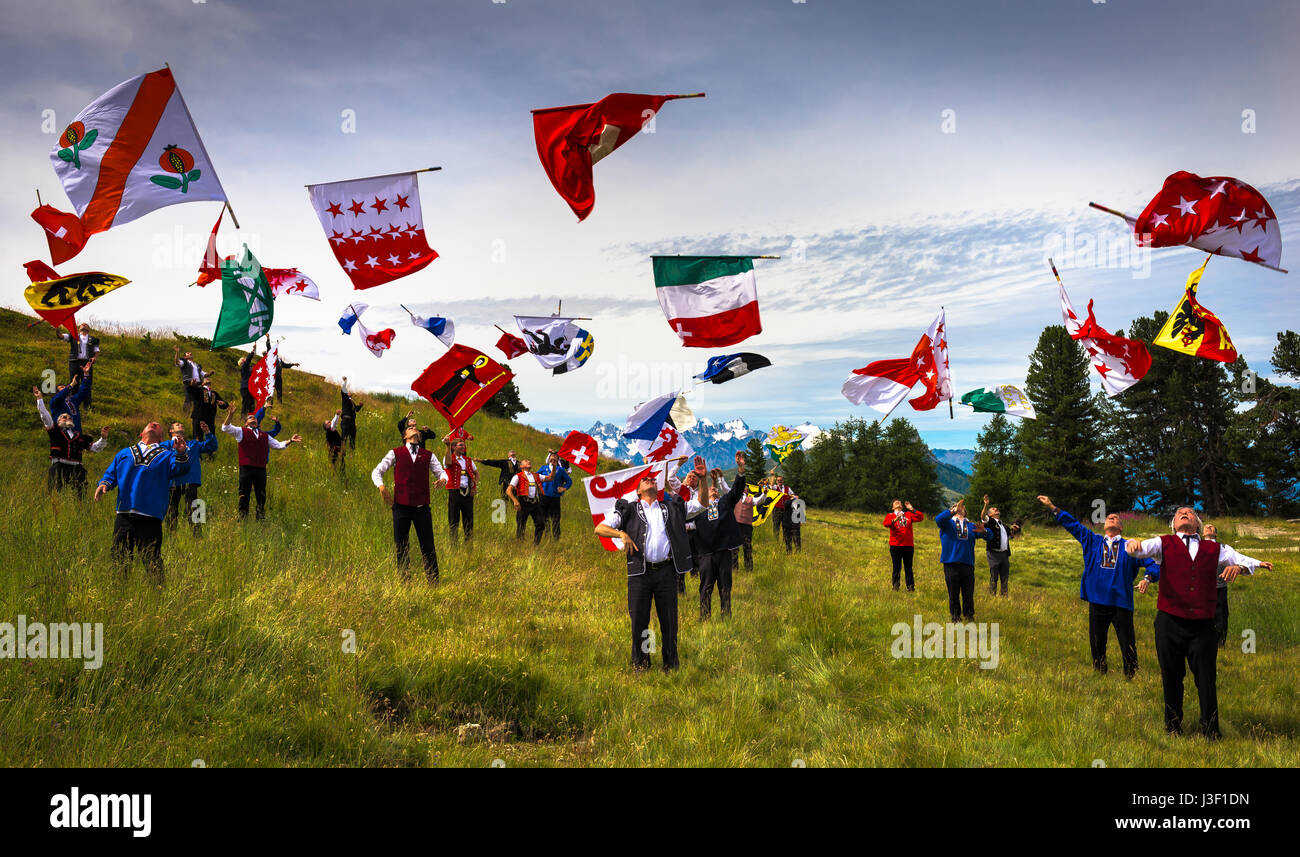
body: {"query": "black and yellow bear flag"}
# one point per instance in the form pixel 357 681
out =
pixel 57 299
pixel 1193 329
pixel 764 501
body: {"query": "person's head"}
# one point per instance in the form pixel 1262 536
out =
pixel 780 480
pixel 84 328
pixel 995 513
pixel 250 421
pixel 647 489
pixel 714 495
pixel 525 464
pixel 510 454
pixel 152 433
pixel 1210 532
pixel 1113 526
pixel 66 423
pixel 411 433
pixel 897 505
pixel 460 448
pixel 176 430
pixel 960 508
pixel 693 480
pixel 1185 520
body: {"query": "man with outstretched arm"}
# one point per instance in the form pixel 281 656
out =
pixel 410 499
pixel 142 474
pixel 508 466
pixel 998 552
pixel 67 444
pixel 716 533
pixel 957 553
pixel 255 448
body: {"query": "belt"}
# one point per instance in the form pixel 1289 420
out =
pixel 657 565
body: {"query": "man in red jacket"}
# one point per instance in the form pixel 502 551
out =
pixel 410 498
pixel 255 448
pixel 1185 635
pixel 901 547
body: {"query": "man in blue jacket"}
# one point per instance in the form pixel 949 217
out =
pixel 957 553
pixel 142 474
pixel 1107 586
pixel 186 488
pixel 69 398
pixel 552 490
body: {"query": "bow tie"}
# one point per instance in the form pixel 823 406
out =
pixel 415 449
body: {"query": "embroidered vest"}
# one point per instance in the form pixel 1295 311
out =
pixel 1187 586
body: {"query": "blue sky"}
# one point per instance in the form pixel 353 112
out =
pixel 822 136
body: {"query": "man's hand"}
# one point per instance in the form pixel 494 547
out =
pixel 1131 547
pixel 36 391
pixel 986 499
pixel 628 545
pixel 179 444
pixel 1047 501
pixel 338 412
pixel 700 467
pixel 103 432
pixel 384 495
pixel 740 463
pixel 1144 584
pixel 908 506
pixel 1230 573
pixel 100 490
pixel 204 427
pixel 296 439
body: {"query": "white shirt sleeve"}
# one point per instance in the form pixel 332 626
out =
pixel 275 444
pixel 1228 556
pixel 613 520
pixel 377 475
pixel 435 467
pixel 723 485
pixel 334 423
pixel 45 414
pixel 99 444
pixel 234 430
pixel 1148 548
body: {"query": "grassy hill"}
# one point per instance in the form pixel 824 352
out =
pixel 522 655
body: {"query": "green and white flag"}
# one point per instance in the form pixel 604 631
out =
pixel 246 302
pixel 1002 399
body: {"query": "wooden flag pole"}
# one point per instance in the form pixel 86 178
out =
pixel 690 95
pixel 233 219
pixel 502 329
pixel 38 197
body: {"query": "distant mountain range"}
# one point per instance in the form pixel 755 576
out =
pixel 717 442
pixel 958 458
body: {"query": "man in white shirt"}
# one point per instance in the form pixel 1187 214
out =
pixel 412 464
pixel 462 487
pixel 525 491
pixel 998 551
pixel 254 453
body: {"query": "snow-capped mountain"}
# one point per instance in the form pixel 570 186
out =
pixel 717 442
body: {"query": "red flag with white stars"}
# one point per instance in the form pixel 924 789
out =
pixel 1121 362
pixel 580 450
pixel 374 226
pixel 261 384
pixel 931 359
pixel 1218 214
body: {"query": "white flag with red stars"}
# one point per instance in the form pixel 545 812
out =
pixel 374 227
pixel 1218 214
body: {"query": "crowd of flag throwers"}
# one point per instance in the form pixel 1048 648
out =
pixel 135 149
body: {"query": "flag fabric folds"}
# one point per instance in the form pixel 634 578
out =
pixel 131 151
pixel 580 450
pixel 247 306
pixel 549 338
pixel 709 301
pixel 1120 362
pixel 376 341
pixel 442 328
pixel 605 490
pixel 1218 214
pixel 668 444
pixel 511 345
pixel 261 383
pixel 935 374
pixel 1193 329
pixel 460 382
pixel 646 420
pixel 571 139
pixel 724 367
pixel 350 315
pixel 884 384
pixel 765 500
pixel 1002 399
pixel 374 226
pixel 781 441
pixel 291 281
pixel 56 299
pixel 579 353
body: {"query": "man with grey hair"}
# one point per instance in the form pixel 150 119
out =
pixel 1185 637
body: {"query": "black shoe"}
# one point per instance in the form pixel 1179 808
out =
pixel 911 589
pixel 895 587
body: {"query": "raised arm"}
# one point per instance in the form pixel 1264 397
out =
pixel 46 419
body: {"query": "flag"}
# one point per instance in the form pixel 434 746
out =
pixel 1002 399
pixel 765 500
pixel 374 227
pixel 377 341
pixel 511 345
pixel 57 299
pixel 247 306
pixel 668 444
pixel 571 139
pixel 261 383
pixel 648 418
pixel 709 301
pixel 1218 214
pixel 885 383
pixel 133 150
pixel 210 267
pixel 1121 362
pixel 936 375
pixel 549 338
pixel 605 490
pixel 580 450
pixel 350 316
pixel 438 326
pixel 1193 329
pixel 460 382
pixel 579 353
pixel 782 441
pixel 724 367
pixel 291 281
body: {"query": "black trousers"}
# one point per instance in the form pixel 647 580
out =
pixel 1221 617
pixel 777 515
pixel 142 533
pixel 901 557
pixel 422 518
pixel 252 480
pixel 526 511
pixel 348 428
pixel 793 532
pixel 960 578
pixel 62 475
pixel 181 495
pixel 247 402
pixel 551 515
pixel 746 544
pixel 715 568
pixel 460 510
pixel 1183 643
pixel 659 585
pixel 999 570
pixel 1100 619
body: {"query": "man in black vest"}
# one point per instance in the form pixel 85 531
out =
pixel 716 533
pixel 348 415
pixel 508 466
pixel 82 350
pixel 653 531
pixel 410 498
pixel 207 402
pixel 66 447
pixel 999 536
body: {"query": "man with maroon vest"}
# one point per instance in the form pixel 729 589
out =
pixel 410 498
pixel 1189 567
pixel 255 448
pixel 462 485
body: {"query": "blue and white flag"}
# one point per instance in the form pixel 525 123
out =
pixel 649 418
pixel 724 367
pixel 350 316
pixel 438 326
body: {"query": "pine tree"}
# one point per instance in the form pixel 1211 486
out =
pixel 506 403
pixel 1270 432
pixel 755 460
pixel 995 468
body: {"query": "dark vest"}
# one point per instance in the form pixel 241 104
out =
pixel 253 452
pixel 1187 586
pixel 994 522
pixel 715 527
pixel 67 448
pixel 411 478
pixel 634 524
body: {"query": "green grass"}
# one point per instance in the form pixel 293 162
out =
pixel 521 654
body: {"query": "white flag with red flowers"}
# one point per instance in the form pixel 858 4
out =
pixel 1218 214
pixel 605 490
pixel 291 281
pixel 1120 362
pixel 374 226
pixel 580 450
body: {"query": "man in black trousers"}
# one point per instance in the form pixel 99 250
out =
pixel 525 491
pixel 410 499
pixel 508 466
pixel 348 415
pixel 716 533
pixel 998 552
pixel 653 531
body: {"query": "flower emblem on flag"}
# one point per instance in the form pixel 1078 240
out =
pixel 180 162
pixel 75 140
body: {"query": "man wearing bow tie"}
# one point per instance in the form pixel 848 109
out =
pixel 957 553
pixel 1185 637
pixel 410 498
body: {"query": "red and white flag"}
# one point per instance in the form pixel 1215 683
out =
pixel 885 383
pixel 261 383
pixel 131 151
pixel 605 490
pixel 709 301
pixel 291 281
pixel 1218 214
pixel 669 444
pixel 378 341
pixel 1121 362
pixel 374 227
pixel 580 450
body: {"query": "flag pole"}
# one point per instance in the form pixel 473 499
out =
pixel 38 197
pixel 502 329
pixel 384 176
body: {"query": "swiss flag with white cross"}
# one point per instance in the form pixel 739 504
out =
pixel 580 450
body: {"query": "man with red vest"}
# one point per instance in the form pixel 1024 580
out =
pixel 462 486
pixel 255 448
pixel 410 498
pixel 1189 567
pixel 66 447
pixel 525 491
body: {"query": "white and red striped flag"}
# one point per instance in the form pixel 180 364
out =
pixel 885 383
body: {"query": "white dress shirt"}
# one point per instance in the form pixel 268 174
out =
pixel 1002 534
pixel 1227 556
pixel 656 547
pixel 412 449
pixel 525 487
pixel 48 421
pixel 239 436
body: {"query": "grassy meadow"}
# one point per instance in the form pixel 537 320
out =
pixel 521 654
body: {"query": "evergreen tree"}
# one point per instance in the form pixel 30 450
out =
pixel 995 468
pixel 1270 432
pixel 795 470
pixel 755 460
pixel 906 471
pixel 506 403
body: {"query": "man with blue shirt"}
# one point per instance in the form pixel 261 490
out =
pixel 552 491
pixel 1107 586
pixel 957 553
pixel 69 398
pixel 142 474
pixel 186 488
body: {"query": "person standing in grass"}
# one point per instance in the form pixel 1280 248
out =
pixel 1211 532
pixel 744 515
pixel 82 351
pixel 525 491
pixel 69 398
pixel 67 444
pixel 1107 586
pixel 902 546
pixel 653 531
pixel 998 536
pixel 255 448
pixel 508 466
pixel 957 553
pixel 142 474
pixel 792 519
pixel 334 442
pixel 1185 634
pixel 348 415
pixel 186 488
pixel 462 486
pixel 553 490
pixel 246 363
pixel 209 402
pixel 410 498
pixel 715 536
